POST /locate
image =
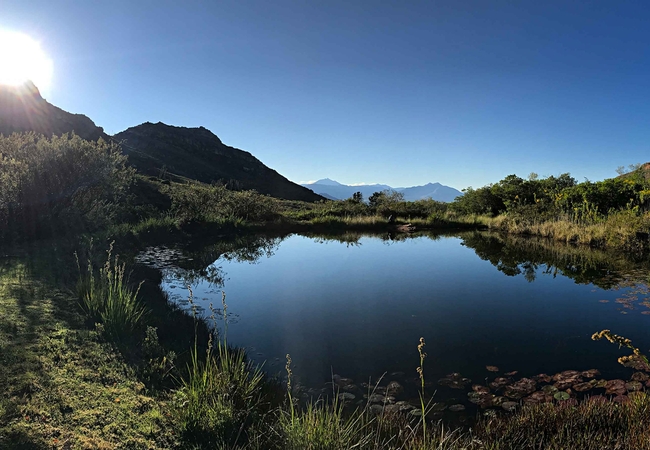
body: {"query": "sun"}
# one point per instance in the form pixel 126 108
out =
pixel 22 59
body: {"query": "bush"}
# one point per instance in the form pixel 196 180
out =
pixel 195 202
pixel 53 185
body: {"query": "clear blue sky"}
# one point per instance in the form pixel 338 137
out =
pixel 399 92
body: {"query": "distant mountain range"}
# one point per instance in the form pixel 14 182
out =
pixel 336 191
pixel 188 153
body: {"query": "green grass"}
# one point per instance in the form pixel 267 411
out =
pixel 62 385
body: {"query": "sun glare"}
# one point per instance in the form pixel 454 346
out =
pixel 22 59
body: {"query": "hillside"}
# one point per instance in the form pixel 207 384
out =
pixel 335 190
pixel 23 109
pixel 196 153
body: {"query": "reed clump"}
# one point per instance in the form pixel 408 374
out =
pixel 107 298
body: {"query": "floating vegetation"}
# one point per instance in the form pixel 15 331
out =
pixel 457 408
pixel 521 388
pixel 615 387
pixel 454 381
pixel 492 368
pixel 511 374
pixel 509 406
pixel 561 396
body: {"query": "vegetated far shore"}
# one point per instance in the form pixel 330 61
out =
pixel 93 359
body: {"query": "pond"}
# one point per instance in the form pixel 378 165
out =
pixel 356 306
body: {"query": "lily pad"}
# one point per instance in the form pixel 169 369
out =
pixel 538 397
pixel 615 387
pixel 492 368
pixel 542 378
pixel 521 388
pixel 621 399
pixel 481 389
pixel 549 389
pixel 633 386
pixel 600 384
pixel 640 376
pixel 509 406
pixel 583 387
pixel 561 396
pixel 591 373
pixel 500 382
pixel 457 408
pixel 511 374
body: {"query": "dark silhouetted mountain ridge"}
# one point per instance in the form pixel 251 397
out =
pixel 198 154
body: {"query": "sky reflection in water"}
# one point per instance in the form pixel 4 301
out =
pixel 359 310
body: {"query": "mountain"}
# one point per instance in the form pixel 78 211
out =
pixel 198 154
pixel 337 191
pixel 435 191
pixel 23 109
pixel 193 153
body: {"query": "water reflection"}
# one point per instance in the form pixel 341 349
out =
pixel 356 305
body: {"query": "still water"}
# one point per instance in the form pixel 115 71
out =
pixel 357 306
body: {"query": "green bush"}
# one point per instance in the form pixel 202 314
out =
pixel 196 202
pixel 53 185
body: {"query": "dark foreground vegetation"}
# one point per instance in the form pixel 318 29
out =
pixel 92 358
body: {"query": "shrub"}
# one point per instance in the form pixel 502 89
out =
pixel 52 185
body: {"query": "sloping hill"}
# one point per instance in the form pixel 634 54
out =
pixel 23 109
pixel 198 154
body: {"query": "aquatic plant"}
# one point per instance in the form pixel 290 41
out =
pixel 636 359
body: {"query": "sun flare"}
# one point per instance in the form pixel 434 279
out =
pixel 22 59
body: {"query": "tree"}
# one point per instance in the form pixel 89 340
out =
pixel 357 197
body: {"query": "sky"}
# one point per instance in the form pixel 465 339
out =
pixel 401 93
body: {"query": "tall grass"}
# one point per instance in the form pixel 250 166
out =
pixel 106 296
pixel 222 394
